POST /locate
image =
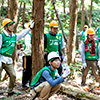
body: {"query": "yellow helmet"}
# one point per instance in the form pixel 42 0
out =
pixel 53 24
pixel 90 31
pixel 29 24
pixel 7 21
pixel 85 26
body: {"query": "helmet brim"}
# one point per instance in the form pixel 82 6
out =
pixel 54 27
pixel 11 23
pixel 51 60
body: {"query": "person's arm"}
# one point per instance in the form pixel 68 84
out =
pixel 96 32
pixel 99 51
pixel 27 40
pixel 45 41
pixel 49 79
pixel 63 46
pixel 83 53
pixel 22 34
pixel 0 42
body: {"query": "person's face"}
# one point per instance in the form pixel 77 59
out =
pixel 54 30
pixel 55 63
pixel 10 28
pixel 85 28
pixel 91 36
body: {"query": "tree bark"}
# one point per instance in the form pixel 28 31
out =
pixel 83 15
pixel 90 17
pixel 72 32
pixel 23 21
pixel 78 93
pixel 38 36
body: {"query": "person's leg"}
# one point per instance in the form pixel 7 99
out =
pixel 29 69
pixel 11 72
pixel 43 89
pixel 95 71
pixel 54 90
pixel 85 72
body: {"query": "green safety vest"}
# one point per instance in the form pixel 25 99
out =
pixel 98 32
pixel 38 75
pixel 52 43
pixel 8 44
pixel 84 36
pixel 88 56
pixel 30 40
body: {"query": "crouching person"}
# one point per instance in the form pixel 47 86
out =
pixel 47 82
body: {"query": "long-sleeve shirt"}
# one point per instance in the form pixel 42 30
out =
pixel 83 52
pixel 47 77
pixel 5 59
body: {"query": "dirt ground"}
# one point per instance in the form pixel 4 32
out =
pixel 23 95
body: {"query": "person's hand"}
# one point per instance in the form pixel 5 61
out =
pixel 84 65
pixel 32 24
pixel 99 63
pixel 66 71
pixel 65 58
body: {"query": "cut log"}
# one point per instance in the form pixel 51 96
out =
pixel 78 93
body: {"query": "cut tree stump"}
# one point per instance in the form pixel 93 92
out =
pixel 78 92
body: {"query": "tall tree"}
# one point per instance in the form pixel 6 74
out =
pixel 23 19
pixel 38 36
pixel 13 11
pixel 72 31
pixel 83 14
pixel 90 17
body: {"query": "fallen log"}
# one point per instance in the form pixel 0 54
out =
pixel 78 93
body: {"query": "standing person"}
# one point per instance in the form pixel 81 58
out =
pixel 83 34
pixel 90 56
pixel 7 45
pixel 97 33
pixel 45 83
pixel 54 41
pixel 27 60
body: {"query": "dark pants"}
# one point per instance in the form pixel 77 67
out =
pixel 27 73
pixel 95 70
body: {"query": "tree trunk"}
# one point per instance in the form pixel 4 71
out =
pixel 13 11
pixel 70 5
pixel 90 17
pixel 38 36
pixel 83 14
pixel 78 93
pixel 86 12
pixel 23 21
pixel 65 37
pixel 72 31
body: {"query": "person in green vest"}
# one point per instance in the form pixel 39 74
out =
pixel 83 34
pixel 46 82
pixel 7 45
pixel 90 56
pixel 97 33
pixel 27 60
pixel 54 41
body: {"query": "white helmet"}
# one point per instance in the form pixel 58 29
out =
pixel 52 55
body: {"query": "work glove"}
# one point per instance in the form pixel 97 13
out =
pixel 32 24
pixel 65 58
pixel 84 65
pixel 99 63
pixel 66 71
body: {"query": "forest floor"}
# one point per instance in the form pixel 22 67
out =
pixel 23 95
